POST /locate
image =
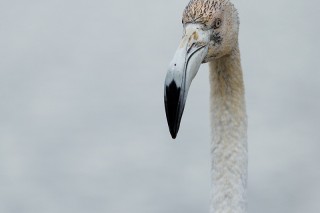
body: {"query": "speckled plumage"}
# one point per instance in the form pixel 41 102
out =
pixel 202 11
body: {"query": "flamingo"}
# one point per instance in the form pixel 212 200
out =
pixel 210 36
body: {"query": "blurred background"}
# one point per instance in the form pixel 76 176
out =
pixel 82 121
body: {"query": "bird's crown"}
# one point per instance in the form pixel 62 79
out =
pixel 202 11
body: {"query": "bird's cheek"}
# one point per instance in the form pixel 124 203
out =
pixel 213 53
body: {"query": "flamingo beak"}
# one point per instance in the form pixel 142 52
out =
pixel 182 69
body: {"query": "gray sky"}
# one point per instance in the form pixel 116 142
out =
pixel 83 127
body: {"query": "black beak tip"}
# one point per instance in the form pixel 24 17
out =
pixel 173 133
pixel 174 107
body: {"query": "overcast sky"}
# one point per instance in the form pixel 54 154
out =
pixel 82 122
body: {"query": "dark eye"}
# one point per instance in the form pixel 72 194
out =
pixel 217 23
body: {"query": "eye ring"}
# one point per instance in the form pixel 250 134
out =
pixel 217 23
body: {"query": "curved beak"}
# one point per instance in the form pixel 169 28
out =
pixel 183 68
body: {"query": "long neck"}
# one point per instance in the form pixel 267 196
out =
pixel 229 136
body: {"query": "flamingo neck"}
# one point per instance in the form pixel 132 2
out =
pixel 229 136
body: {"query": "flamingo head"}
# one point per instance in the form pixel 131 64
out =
pixel 210 31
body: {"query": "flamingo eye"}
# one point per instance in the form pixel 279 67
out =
pixel 217 23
